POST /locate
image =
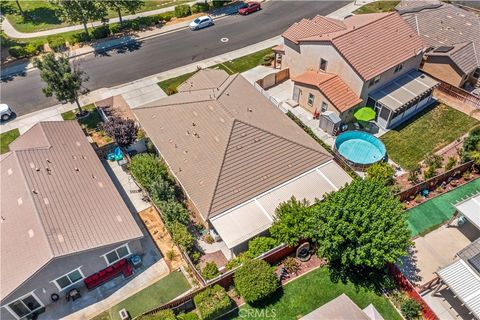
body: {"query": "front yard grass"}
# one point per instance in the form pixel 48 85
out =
pixel 89 123
pixel 429 131
pixel 6 138
pixel 431 214
pixel 233 66
pixel 311 291
pixel 43 15
pixel 377 6
pixel 153 296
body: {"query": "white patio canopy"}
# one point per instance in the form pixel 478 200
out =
pixel 252 217
pixel 464 283
pixel 470 208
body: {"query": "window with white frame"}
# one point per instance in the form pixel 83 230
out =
pixel 374 81
pixel 324 106
pixel 117 254
pixel 398 67
pixel 24 306
pixel 323 64
pixel 311 99
pixel 70 278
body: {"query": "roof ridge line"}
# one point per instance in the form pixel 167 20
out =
pixel 281 137
pixel 366 24
pixel 221 168
pixel 233 77
pixel 172 104
pixel 43 132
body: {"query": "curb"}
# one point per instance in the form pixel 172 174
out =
pixel 8 74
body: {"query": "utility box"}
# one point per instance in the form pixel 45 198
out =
pixel 124 314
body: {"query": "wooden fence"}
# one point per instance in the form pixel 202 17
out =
pixel 433 183
pixel 404 285
pixel 459 94
pixel 185 303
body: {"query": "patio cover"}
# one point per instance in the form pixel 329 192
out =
pixel 256 215
pixel 403 90
pixel 464 283
pixel 470 208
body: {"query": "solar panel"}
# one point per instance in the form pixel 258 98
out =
pixel 443 49
pixel 475 262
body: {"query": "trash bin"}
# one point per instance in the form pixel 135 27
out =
pixel 136 261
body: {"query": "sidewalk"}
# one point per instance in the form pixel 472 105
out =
pixel 13 33
pixel 146 90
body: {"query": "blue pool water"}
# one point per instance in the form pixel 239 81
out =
pixel 360 147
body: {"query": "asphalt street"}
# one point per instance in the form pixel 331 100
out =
pixel 24 95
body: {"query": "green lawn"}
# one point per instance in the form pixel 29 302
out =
pixel 89 123
pixel 6 138
pixel 311 291
pixel 427 132
pixel 234 66
pixel 378 6
pixel 430 214
pixel 42 15
pixel 153 296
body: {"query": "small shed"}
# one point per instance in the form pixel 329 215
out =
pixel 330 122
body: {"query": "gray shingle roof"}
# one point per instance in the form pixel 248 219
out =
pixel 57 199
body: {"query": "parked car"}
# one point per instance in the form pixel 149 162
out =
pixel 249 7
pixel 5 112
pixel 201 22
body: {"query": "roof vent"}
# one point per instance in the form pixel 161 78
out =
pixel 216 139
pixel 19 201
pixel 46 201
pixel 49 171
pixel 94 176
pixel 188 132
pixel 119 218
pixel 256 139
pixel 100 184
pixel 32 165
pixel 249 110
pixel 77 143
pixel 196 135
pixel 60 238
pixel 193 124
pixel 34 191
pixel 37 169
pixel 48 160
pixel 31 233
pixel 10 171
pixel 76 169
pixel 74 157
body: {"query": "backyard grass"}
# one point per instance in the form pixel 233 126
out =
pixel 378 6
pixel 311 291
pixel 234 66
pixel 6 138
pixel 43 15
pixel 430 214
pixel 429 131
pixel 153 296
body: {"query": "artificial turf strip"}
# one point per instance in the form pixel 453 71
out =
pixel 6 138
pixel 439 209
pixel 307 293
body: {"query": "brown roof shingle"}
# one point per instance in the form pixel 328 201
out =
pixel 365 41
pixel 227 145
pixel 57 199
pixel 332 87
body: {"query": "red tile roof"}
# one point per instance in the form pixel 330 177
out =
pixel 370 43
pixel 332 87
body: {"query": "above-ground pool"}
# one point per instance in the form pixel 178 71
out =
pixel 360 147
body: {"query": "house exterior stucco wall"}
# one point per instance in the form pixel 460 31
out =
pixel 42 282
pixel 442 68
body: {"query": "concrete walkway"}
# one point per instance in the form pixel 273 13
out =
pixel 10 31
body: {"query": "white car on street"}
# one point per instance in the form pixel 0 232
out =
pixel 201 22
pixel 5 112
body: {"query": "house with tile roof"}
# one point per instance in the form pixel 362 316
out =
pixel 62 218
pixel 236 155
pixel 368 59
pixel 453 38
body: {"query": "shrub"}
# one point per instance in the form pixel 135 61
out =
pixel 166 16
pixel 255 280
pixel 219 3
pixel 410 309
pixel 429 173
pixel 212 302
pixel 291 264
pixel 182 11
pixel 56 43
pixel 434 161
pixel 260 245
pixel 200 7
pixel 146 21
pixel 146 169
pixel 160 315
pixel 135 25
pixel 115 28
pixel 101 32
pixel 171 255
pixel 188 316
pixel 17 51
pixel 162 190
pixel 123 131
pixel 180 235
pixel 195 256
pixel 79 37
pixel 173 211
pixel 413 173
pixel 209 239
pixel 237 261
pixel 32 49
pixel 451 162
pixel 210 271
pixel 381 172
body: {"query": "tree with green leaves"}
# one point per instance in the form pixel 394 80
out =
pixel 174 211
pixel 147 169
pixel 20 9
pixel 130 6
pixel 291 222
pixel 360 228
pixel 260 245
pixel 61 79
pixel 162 191
pixel 381 172
pixel 180 236
pixel 82 11
pixel 255 280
